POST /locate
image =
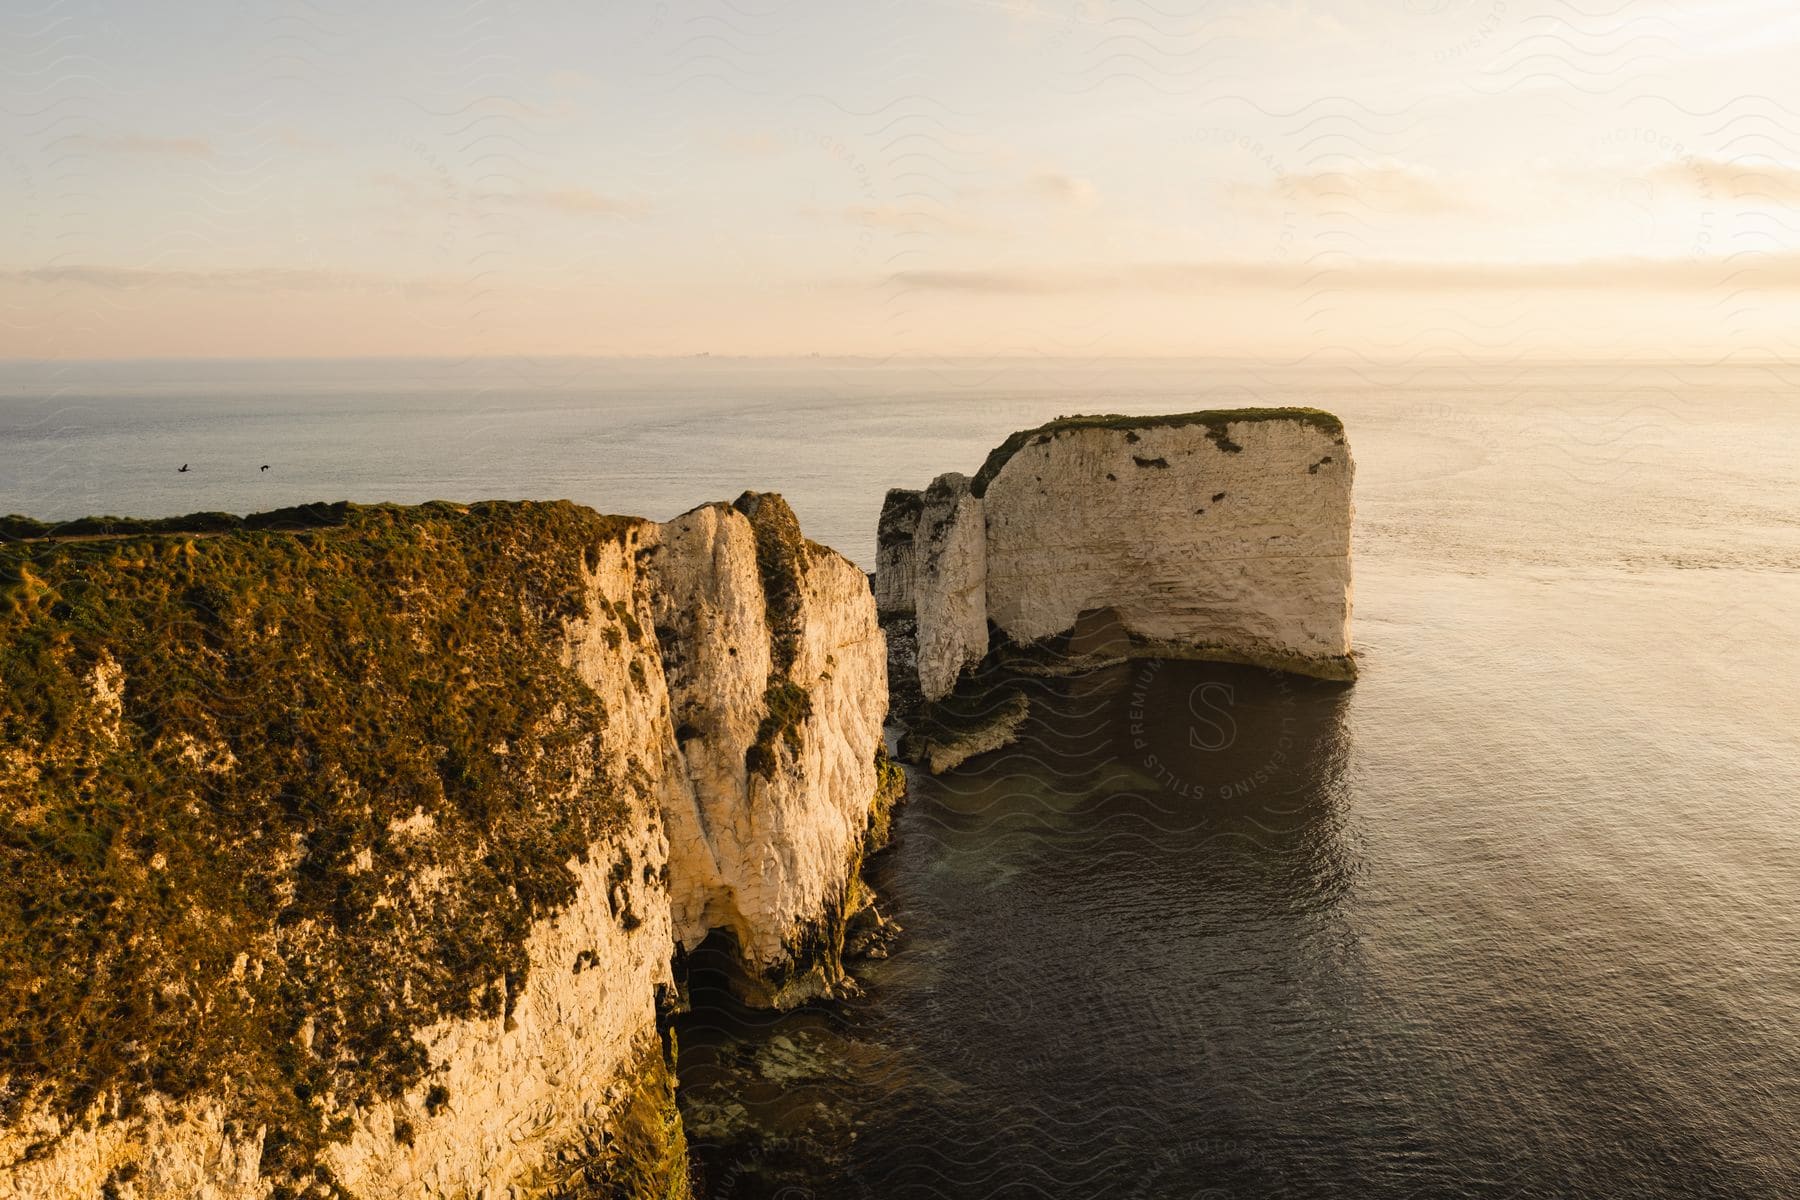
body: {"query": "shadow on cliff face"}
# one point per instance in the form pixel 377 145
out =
pixel 1056 1020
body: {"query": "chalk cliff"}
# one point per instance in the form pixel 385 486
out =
pixel 950 583
pixel 1221 535
pixel 345 851
pixel 894 570
pixel 778 680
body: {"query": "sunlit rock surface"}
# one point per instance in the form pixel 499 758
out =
pixel 949 583
pixel 1218 535
pixel 778 676
pixel 347 849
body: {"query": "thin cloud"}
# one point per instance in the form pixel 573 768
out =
pixel 143 144
pixel 1714 179
pixel 437 189
pixel 582 202
pixel 1382 187
pixel 918 218
pixel 748 145
pixel 238 279
pixel 1062 189
pixel 294 139
pixel 419 190
pixel 1769 271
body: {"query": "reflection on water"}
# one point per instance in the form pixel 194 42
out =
pixel 1151 876
pixel 1111 925
pixel 1478 926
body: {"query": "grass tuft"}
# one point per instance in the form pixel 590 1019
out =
pixel 786 705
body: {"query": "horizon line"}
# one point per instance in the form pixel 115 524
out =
pixel 872 359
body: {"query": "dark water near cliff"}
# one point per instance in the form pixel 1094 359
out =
pixel 1517 915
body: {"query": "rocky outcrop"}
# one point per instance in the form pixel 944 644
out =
pixel 894 569
pixel 944 736
pixel 345 853
pixel 1220 535
pixel 778 680
pixel 949 583
pixel 1224 535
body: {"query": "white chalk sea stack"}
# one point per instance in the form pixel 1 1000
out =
pixel 1221 535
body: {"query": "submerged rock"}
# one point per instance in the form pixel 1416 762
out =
pixel 347 850
pixel 943 736
pixel 871 935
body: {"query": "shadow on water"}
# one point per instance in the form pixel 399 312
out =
pixel 1110 925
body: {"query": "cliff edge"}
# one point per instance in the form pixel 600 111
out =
pixel 344 851
pixel 1216 535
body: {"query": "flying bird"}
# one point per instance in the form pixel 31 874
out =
pixel 265 466
pixel 181 468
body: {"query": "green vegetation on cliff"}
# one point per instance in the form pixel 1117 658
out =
pixel 781 558
pixel 787 706
pixel 890 789
pixel 900 511
pixel 1216 422
pixel 645 1151
pixel 272 800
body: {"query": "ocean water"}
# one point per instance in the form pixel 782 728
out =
pixel 1516 915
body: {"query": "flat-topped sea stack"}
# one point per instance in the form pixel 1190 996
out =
pixel 1221 535
pixel 350 852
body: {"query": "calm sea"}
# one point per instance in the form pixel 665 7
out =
pixel 1517 915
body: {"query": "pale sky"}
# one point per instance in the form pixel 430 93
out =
pixel 1490 178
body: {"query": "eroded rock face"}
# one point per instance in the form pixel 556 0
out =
pixel 778 677
pixel 1221 535
pixel 950 583
pixel 1224 538
pixel 386 984
pixel 894 534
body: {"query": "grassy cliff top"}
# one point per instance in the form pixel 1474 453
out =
pixel 900 510
pixel 272 800
pixel 300 517
pixel 1216 421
